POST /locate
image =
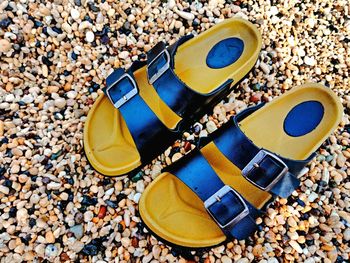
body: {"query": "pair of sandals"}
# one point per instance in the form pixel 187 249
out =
pixel 219 189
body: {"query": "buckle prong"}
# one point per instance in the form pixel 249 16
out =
pixel 217 197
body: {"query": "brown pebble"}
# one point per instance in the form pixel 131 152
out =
pixel 64 257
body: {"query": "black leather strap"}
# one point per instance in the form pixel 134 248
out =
pixel 229 206
pixel 150 135
pixel 183 100
pixel 240 150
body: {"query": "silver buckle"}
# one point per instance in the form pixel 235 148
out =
pixel 215 198
pixel 255 163
pixel 162 70
pixel 125 97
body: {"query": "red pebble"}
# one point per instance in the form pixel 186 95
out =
pixel 187 146
pixel 102 212
pixel 255 98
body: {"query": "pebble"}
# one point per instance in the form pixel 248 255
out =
pixel 60 103
pixel 78 231
pixel 5 190
pixel 310 61
pixel 185 15
pixel 5 45
pixel 49 237
pixel 28 99
pixel 171 4
pixel 312 197
pixel 51 251
pixel 265 68
pixel 124 54
pixel 75 14
pixel 140 186
pixel 296 246
pixel 211 126
pixel 226 259
pixel 346 234
pixel 176 157
pixel 90 37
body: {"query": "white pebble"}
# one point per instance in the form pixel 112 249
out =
pixel 60 103
pixel 71 94
pixel 140 186
pixel 211 126
pixel 5 45
pixel 90 37
pixel 312 197
pixel 75 14
pixel 124 54
pixel 28 99
pixel 310 61
pixel 5 190
pixel 185 15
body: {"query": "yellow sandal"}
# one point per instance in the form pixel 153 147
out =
pixel 145 108
pixel 217 192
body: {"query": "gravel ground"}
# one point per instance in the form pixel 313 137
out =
pixel 54 57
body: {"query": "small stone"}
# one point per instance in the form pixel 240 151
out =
pixel 310 61
pixel 243 260
pixel 156 250
pixel 140 186
pixel 137 177
pixel 53 186
pixel 185 15
pixel 255 98
pixel 60 103
pixel 176 157
pixel 79 218
pixel 211 126
pixel 226 259
pixel 28 99
pixel 265 68
pixel 346 234
pixel 137 197
pixel 312 197
pixel 131 18
pixel 1 128
pixel 78 231
pixel 67 28
pixel 22 215
pixel 77 246
pixel 296 246
pixel 64 257
pixel 75 14
pixel 5 190
pixel 51 251
pixel 124 54
pixel 341 160
pixel 90 37
pixel 308 183
pixel 49 237
pixel 171 4
pixel 272 260
pixel 274 10
pixel 102 212
pixel 5 45
pixel 88 215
